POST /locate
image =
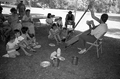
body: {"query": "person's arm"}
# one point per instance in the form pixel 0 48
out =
pixel 18 7
pixel 24 41
pixel 93 16
pixel 66 17
pixel 61 23
pixel 24 7
pixel 89 24
pixel 31 19
pixel 73 18
pixel 4 18
pixel 24 19
pixel 51 31
pixel 92 23
pixel 9 19
pixel 28 36
pixel 7 47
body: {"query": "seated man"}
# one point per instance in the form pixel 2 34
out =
pixel 70 20
pixel 94 33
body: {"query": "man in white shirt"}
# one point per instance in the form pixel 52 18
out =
pixel 95 33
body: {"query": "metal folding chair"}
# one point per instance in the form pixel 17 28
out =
pixel 97 44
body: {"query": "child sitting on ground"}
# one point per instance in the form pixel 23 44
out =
pixel 30 40
pixel 22 43
pixel 11 48
pixel 64 34
pixel 54 33
pixel 59 22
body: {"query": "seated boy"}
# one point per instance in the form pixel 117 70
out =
pixel 30 41
pixel 11 48
pixel 64 34
pixel 20 41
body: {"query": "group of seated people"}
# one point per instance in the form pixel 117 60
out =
pixel 21 39
pixel 95 32
pixel 69 20
pixel 58 33
pixel 52 19
pixel 13 21
pixel 20 30
pixel 24 32
pixel 57 30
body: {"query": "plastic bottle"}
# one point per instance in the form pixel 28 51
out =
pixel 75 60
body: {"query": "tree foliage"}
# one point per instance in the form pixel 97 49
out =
pixel 99 5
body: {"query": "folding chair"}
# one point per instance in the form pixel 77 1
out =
pixel 97 44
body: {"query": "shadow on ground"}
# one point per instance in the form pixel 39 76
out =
pixel 89 67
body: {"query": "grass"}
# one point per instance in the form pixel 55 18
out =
pixel 89 67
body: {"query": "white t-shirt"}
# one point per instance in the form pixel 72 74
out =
pixel 49 20
pixel 12 45
pixel 26 18
pixel 100 30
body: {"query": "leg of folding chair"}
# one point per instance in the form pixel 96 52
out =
pixel 89 48
pixel 97 47
pixel 101 48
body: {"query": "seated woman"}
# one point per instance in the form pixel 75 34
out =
pixel 49 19
pixel 27 21
pixel 55 33
pixel 13 20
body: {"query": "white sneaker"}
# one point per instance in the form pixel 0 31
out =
pixel 82 51
pixel 6 55
pixel 79 48
pixel 37 46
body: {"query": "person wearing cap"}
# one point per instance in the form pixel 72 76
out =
pixel 70 19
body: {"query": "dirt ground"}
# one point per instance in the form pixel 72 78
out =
pixel 89 66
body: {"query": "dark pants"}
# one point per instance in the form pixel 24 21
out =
pixel 68 23
pixel 86 38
